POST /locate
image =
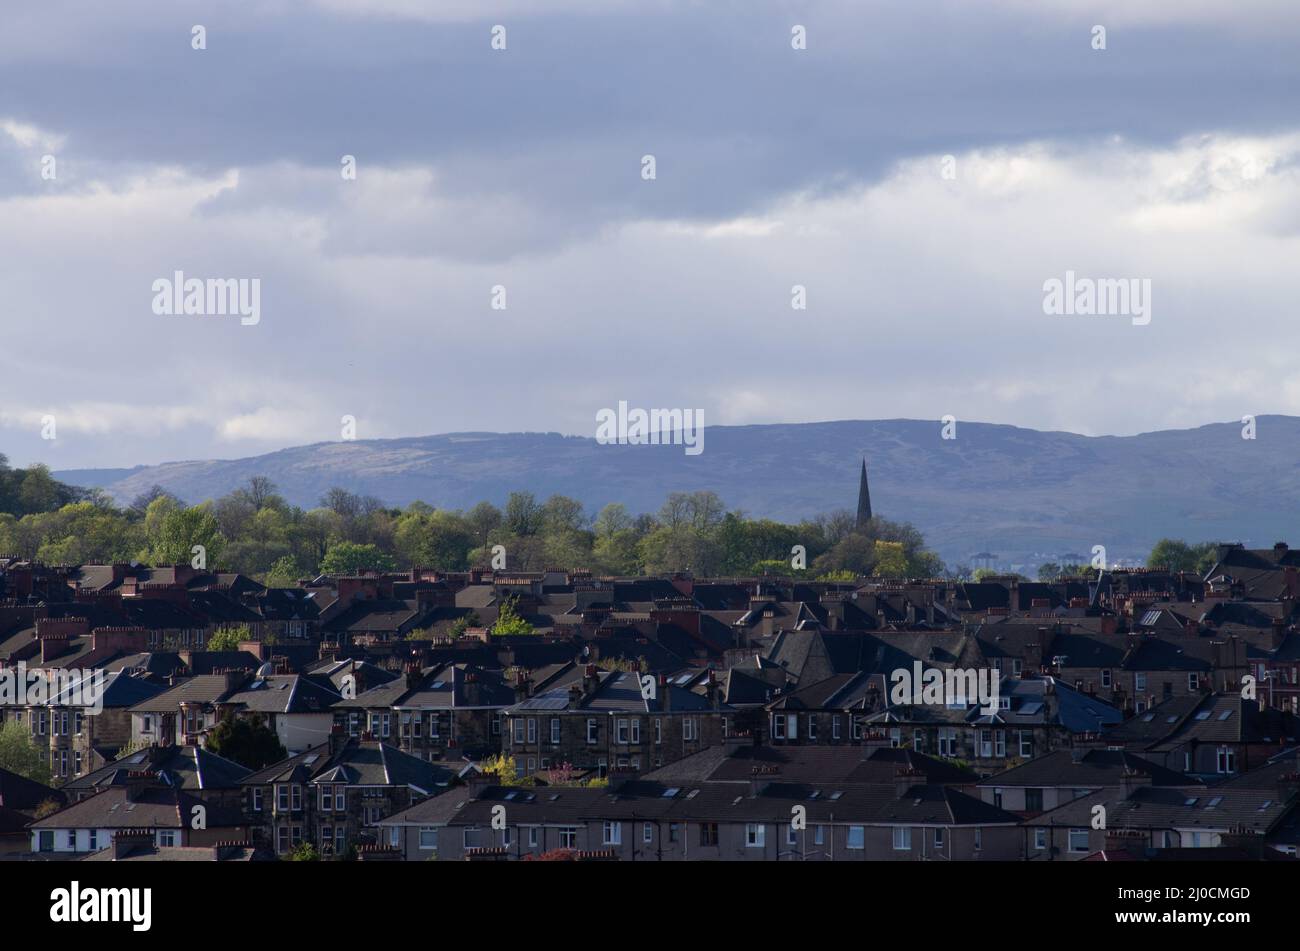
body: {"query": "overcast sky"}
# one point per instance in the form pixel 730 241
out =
pixel 1170 156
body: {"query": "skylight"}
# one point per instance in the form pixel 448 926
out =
pixel 1225 714
pixel 671 792
pixel 1203 715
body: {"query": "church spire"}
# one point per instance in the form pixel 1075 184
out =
pixel 864 499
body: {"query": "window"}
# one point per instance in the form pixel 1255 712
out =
pixel 896 737
pixel 938 838
pixel 1078 840
pixel 1040 839
pixel 1139 682
pixel 592 729
pixel 326 799
pixel 1226 760
pixel 903 839
pixel 1016 666
pixel 533 836
pixel 353 724
pixel 812 727
pixel 636 731
pixel 918 741
pixel 755 835
pixel 76 763
pixel 835 727
pixel 532 729
pixel 1033 800
pixel 708 833
pixel 282 839
pixel 819 835
pixel 647 833
pixel 472 838
pixel 778 727
pixel 948 741
pixel 166 838
pixel 94 840
pixel 690 729
pixel 518 724
pixel 997 798
pixel 1193 681
pixel 1105 679
pixel 1027 743
pixel 791 837
pixel 986 743
pixel 555 731
pixel 281 798
pixel 857 838
pixel 295 797
pixel 621 731
pixel 568 837
pixel 612 833
pixel 979 839
pixel 674 831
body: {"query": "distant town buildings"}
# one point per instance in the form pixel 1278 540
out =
pixel 668 718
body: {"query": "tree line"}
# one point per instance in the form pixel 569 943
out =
pixel 255 531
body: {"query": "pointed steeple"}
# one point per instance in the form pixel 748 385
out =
pixel 864 498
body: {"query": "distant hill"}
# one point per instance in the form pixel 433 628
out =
pixel 1025 495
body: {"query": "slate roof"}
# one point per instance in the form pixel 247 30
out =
pixel 358 763
pixel 182 767
pixel 1097 767
pixel 154 808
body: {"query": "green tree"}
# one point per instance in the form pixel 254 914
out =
pixel 228 638
pixel 1177 555
pixel 509 621
pixel 347 558
pixel 19 754
pixel 502 768
pixel 891 560
pixel 247 741
pixel 180 529
pixel 464 623
pixel 304 852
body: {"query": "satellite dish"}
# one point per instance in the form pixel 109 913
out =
pixel 266 670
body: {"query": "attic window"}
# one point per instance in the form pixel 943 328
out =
pixel 1267 803
pixel 1225 714
pixel 1214 802
pixel 671 792
pixel 837 794
pixel 1203 715
pixel 815 794
pixel 1148 718
pixel 1191 801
